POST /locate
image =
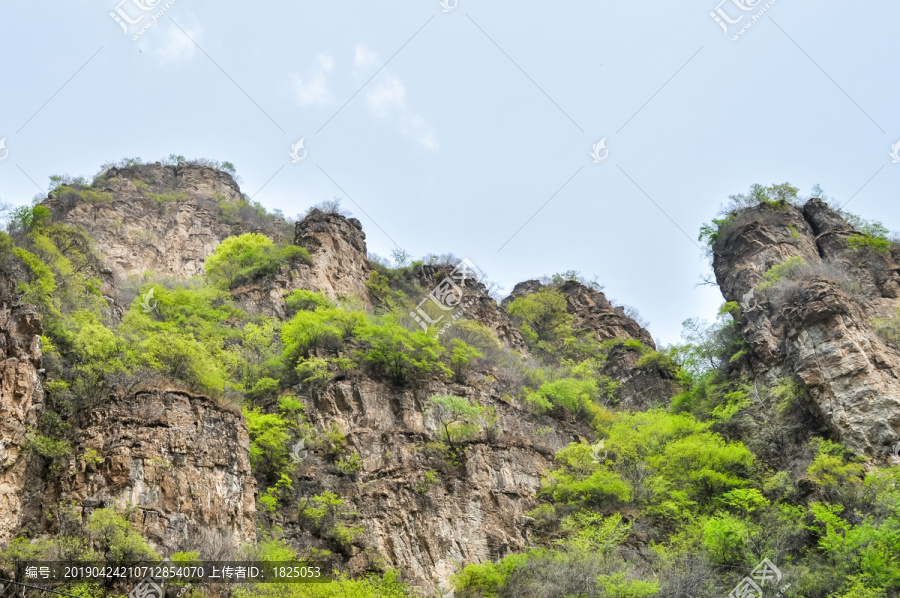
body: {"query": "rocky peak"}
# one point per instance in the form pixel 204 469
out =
pixel 337 245
pixel 591 310
pixel 477 304
pixel 639 388
pixel 817 323
pixel 162 219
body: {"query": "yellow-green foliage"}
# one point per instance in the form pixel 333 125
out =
pixel 399 354
pixel 458 418
pixel 115 539
pixel 873 236
pixel 84 194
pixel 242 258
pixel 164 198
pixel 544 320
pixel 269 437
pixel 788 269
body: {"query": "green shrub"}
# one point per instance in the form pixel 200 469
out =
pixel 164 198
pixel 462 355
pixel 242 258
pixel 459 419
pixel 268 443
pixel 545 323
pixel 399 354
pixel 302 300
pixel 873 236
pixel 349 463
pixel 117 542
pixel 788 269
pixel 725 536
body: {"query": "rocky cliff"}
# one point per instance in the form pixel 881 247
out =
pixel 421 511
pixel 21 400
pixel 813 297
pixel 593 314
pixel 815 315
pixel 177 462
pixel 160 219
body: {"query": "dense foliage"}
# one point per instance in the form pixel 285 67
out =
pixel 684 499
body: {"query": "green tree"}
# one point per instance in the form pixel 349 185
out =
pixel 459 418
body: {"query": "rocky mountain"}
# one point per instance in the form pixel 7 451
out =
pixel 223 379
pixel 819 321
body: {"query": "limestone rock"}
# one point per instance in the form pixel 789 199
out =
pixel 819 325
pixel 180 460
pixel 21 402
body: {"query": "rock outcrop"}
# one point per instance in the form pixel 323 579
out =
pixel 338 247
pixel 592 313
pixel 475 304
pixel 340 268
pixel 180 461
pixel 473 510
pixel 160 219
pixel 21 402
pixel 817 322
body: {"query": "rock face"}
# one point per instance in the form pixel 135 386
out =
pixel 338 248
pixel 817 323
pixel 640 388
pixel 181 461
pixel 472 511
pixel 161 219
pixel 476 304
pixel 21 401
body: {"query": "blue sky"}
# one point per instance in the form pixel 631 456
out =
pixel 447 131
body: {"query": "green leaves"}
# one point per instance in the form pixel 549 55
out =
pixel 399 354
pixel 242 258
pixel 459 418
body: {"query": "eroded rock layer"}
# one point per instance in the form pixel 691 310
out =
pixel 819 322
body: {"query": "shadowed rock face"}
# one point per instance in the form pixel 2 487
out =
pixel 474 510
pixel 21 402
pixel 819 325
pixel 476 304
pixel 181 461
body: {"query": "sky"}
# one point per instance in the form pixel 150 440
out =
pixel 532 138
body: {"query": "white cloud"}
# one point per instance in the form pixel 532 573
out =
pixel 364 56
pixel 173 45
pixel 388 101
pixel 313 89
